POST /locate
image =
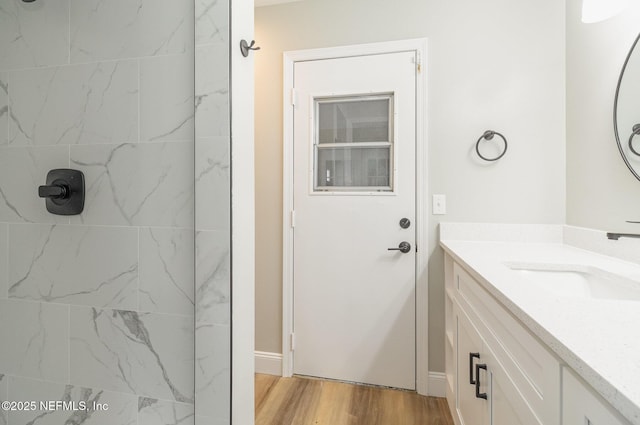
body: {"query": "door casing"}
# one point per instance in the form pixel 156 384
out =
pixel 422 302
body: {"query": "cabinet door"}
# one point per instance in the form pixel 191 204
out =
pixel 508 405
pixel 580 406
pixel 470 409
pixel 504 403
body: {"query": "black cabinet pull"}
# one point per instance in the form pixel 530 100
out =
pixel 478 393
pixel 471 357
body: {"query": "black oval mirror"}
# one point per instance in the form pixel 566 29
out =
pixel 626 111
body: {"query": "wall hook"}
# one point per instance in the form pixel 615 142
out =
pixel 244 47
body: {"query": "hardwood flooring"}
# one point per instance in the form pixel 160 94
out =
pixel 308 401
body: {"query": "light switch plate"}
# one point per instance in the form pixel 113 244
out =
pixel 439 204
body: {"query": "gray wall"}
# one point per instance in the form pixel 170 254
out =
pixel 601 192
pixel 496 64
pixel 101 306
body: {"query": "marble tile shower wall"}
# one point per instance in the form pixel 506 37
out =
pixel 213 201
pixel 102 306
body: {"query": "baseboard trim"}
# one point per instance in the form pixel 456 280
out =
pixel 269 363
pixel 437 384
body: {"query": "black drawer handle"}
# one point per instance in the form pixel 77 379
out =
pixel 478 393
pixel 471 357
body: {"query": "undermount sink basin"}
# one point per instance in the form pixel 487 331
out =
pixel 578 281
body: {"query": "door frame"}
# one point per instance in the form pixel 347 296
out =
pixel 419 46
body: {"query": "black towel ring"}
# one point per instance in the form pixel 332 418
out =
pixel 488 135
pixel 634 132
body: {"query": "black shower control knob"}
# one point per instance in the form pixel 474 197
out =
pixel 63 191
pixel 54 191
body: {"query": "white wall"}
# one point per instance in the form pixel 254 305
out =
pixel 496 64
pixel 601 192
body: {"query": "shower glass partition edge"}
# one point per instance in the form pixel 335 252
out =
pixel 119 315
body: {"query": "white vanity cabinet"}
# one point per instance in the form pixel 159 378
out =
pixel 470 408
pixel 581 406
pixel 490 354
pixel 486 394
pixel 499 373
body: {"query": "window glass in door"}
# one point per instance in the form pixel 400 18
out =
pixel 353 143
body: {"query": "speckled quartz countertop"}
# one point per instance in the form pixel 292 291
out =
pixel 598 338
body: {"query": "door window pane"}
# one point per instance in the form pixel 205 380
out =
pixel 354 120
pixel 353 168
pixel 353 143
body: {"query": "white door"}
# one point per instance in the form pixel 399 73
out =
pixel 354 181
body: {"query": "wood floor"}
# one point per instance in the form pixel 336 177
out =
pixel 306 401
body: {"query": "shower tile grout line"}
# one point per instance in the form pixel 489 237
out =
pixel 137 396
pixel 103 308
pixel 138 274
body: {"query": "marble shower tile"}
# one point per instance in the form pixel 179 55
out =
pixel 212 277
pixel 96 266
pixel 166 271
pixel 22 170
pixel 4 253
pixel 121 408
pixel 35 340
pixel 34 34
pixel 4 109
pixel 213 373
pixel 148 354
pixel 146 184
pixel 115 29
pixel 4 396
pixel 78 104
pixel 212 21
pixel 213 185
pixel 212 91
pixel 160 412
pixel 166 98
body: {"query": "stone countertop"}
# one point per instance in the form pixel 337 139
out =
pixel 599 339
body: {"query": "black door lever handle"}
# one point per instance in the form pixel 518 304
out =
pixel 403 247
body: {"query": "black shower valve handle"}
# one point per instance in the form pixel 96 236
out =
pixel 63 191
pixel 53 191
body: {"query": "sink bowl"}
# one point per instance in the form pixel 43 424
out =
pixel 578 281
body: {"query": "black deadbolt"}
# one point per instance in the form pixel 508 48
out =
pixel 405 223
pixel 64 191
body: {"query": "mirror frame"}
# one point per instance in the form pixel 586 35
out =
pixel 615 108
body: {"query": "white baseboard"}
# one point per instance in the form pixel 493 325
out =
pixel 269 363
pixel 437 384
